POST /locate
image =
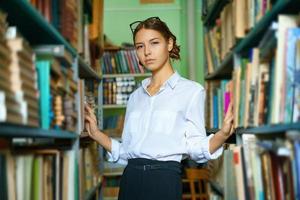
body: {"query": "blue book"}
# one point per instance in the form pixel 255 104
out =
pixel 297 166
pixel 293 35
pixel 43 69
pixel 215 109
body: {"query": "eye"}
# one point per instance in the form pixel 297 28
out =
pixel 138 46
pixel 154 42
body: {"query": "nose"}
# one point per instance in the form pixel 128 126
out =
pixel 147 50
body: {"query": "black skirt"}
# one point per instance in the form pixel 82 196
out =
pixel 145 179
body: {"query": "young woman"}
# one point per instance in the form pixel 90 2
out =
pixel 164 121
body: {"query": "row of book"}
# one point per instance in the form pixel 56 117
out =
pixel 121 61
pixel 264 89
pixel 81 29
pixel 35 90
pixel 117 90
pixel 236 19
pixel 113 125
pixel 41 174
pixel 47 173
pixel 18 83
pixel 89 174
pixel 63 89
pixel 263 168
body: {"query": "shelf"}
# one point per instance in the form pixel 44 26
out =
pixel 269 129
pixel 86 72
pixel 113 106
pixel 23 15
pixel 214 11
pixel 13 131
pixel 253 37
pixel 224 70
pixel 110 198
pixel 85 140
pixel 90 194
pixel 230 140
pixel 268 49
pixel 126 75
pixel 110 174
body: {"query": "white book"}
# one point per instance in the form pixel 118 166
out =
pixel 3 111
pixel 284 22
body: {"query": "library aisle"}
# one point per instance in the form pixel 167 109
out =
pixel 56 56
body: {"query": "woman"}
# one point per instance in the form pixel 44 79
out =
pixel 164 121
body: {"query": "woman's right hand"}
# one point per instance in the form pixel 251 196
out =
pixel 91 122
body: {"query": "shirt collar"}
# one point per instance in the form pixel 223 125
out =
pixel 172 81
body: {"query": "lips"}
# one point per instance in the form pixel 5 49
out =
pixel 149 61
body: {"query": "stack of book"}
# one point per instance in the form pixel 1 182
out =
pixel 19 79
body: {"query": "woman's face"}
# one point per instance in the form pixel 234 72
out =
pixel 152 49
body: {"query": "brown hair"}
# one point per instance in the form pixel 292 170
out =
pixel 156 24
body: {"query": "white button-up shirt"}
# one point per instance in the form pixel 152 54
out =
pixel 166 126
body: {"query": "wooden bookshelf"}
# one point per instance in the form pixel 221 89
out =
pixel 114 173
pixel 111 106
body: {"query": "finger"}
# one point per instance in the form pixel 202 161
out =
pixel 229 119
pixel 88 108
pixel 89 119
pixel 90 112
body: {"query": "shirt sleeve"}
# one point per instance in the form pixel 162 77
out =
pixel 118 152
pixel 197 142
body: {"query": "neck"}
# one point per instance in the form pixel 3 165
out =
pixel 160 76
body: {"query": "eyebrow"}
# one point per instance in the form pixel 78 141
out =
pixel 149 40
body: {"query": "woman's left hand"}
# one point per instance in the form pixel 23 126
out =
pixel 227 128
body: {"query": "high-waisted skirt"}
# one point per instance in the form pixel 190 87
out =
pixel 145 179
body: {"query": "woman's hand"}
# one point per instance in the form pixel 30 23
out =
pixel 227 128
pixel 94 132
pixel 90 122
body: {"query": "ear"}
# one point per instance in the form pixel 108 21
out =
pixel 170 44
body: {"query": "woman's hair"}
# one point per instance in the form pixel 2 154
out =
pixel 156 24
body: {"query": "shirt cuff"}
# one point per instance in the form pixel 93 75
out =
pixel 206 152
pixel 114 155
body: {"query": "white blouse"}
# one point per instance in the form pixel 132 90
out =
pixel 166 126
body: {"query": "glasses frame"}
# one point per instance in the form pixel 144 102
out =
pixel 135 22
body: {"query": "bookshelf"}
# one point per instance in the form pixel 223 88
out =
pixel 25 16
pixel 252 38
pixel 264 158
pixel 53 144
